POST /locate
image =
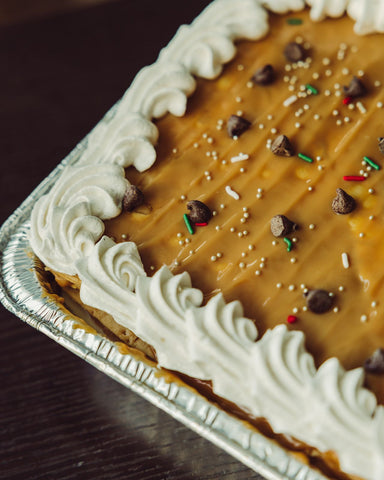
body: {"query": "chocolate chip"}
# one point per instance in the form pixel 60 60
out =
pixel 356 88
pixel 264 75
pixel 282 146
pixel 199 212
pixel 282 226
pixel 343 203
pixel 375 363
pixel 294 52
pixel 132 199
pixel 381 144
pixel 237 125
pixel 318 301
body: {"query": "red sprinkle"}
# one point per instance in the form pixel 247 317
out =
pixel 291 319
pixel 347 100
pixel 354 178
pixel 201 224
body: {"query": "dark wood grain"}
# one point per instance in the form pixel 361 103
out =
pixel 60 418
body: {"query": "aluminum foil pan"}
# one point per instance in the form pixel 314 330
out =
pixel 22 294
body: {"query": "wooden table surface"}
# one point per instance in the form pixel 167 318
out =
pixel 59 417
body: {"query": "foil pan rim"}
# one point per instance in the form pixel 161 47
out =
pixel 22 294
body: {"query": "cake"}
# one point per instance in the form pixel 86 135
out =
pixel 237 239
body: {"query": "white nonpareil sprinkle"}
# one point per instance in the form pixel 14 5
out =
pixel 361 107
pixel 239 158
pixel 232 193
pixel 290 100
pixel 345 260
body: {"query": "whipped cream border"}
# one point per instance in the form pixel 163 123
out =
pixel 328 408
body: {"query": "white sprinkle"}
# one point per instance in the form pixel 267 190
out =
pixel 374 304
pixel 371 217
pixel 336 309
pixel 360 73
pixel 270 117
pixel 279 285
pixel 345 260
pixel 217 228
pixel 258 273
pixel 293 260
pixel 213 258
pixel 239 113
pixel 273 130
pixel 361 234
pixel 328 73
pixel 347 119
pixel 351 106
pixel 196 145
pixel 297 124
pixel 187 240
pixel 316 116
pixel 290 100
pixel 312 226
pixel 243 254
pixel 249 84
pixel 335 113
pixel 345 71
pixel 295 310
pixel 310 189
pixel 251 247
pixel 174 150
pixel 152 267
pixel 371 190
pixel 379 104
pixel 327 93
pixel 240 67
pixel 305 308
pixel 219 254
pixel 261 126
pixel 363 318
pixel 240 234
pixel 183 197
pixel 377 83
pixel 341 288
pixel 239 158
pixel 232 229
pixel 291 288
pixel 326 61
pixel 337 93
pixel 232 193
pixel 238 99
pixel 123 236
pixel 339 122
pixel 361 107
pixel 315 76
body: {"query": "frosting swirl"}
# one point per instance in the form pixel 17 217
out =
pixel 66 223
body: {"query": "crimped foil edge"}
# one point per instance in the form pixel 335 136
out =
pixel 23 295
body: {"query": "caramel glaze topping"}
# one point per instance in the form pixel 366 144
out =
pixel 236 252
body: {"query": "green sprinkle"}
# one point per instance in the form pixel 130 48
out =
pixel 294 21
pixel 305 157
pixel 372 163
pixel 188 224
pixel 289 244
pixel 311 88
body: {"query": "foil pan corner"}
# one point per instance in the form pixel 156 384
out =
pixel 23 294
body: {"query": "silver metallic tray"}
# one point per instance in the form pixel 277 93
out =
pixel 22 294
